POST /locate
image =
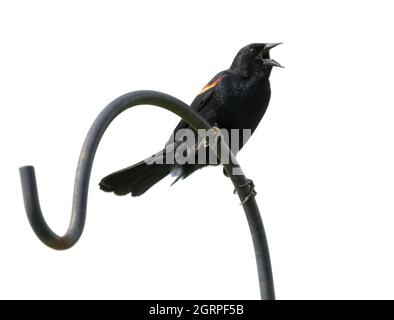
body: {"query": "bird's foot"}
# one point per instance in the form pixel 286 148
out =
pixel 218 134
pixel 251 191
pixel 206 140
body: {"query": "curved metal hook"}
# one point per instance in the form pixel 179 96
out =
pixel 84 167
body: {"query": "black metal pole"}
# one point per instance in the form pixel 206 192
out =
pixel 82 178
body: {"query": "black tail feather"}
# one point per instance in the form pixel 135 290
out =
pixel 136 179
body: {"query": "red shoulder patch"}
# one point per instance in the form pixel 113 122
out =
pixel 211 84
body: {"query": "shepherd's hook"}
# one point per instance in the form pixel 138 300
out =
pixel 84 167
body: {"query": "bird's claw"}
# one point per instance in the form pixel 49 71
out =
pixel 251 193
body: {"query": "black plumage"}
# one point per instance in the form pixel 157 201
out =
pixel 236 98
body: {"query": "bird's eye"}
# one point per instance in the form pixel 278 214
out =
pixel 252 51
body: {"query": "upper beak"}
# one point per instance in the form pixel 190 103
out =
pixel 271 62
pixel 269 46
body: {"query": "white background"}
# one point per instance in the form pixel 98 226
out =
pixel 322 160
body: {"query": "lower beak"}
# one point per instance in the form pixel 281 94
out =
pixel 271 63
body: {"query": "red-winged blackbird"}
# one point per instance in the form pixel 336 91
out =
pixel 236 98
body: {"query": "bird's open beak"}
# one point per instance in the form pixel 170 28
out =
pixel 271 62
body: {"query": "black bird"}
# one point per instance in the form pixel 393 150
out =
pixel 236 98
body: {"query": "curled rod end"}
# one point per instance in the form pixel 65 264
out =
pixel 28 179
pixel 34 214
pixel 26 169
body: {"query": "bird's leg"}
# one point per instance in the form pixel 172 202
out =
pixel 251 191
pixel 218 133
pixel 205 142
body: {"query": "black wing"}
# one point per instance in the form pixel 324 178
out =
pixel 203 98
